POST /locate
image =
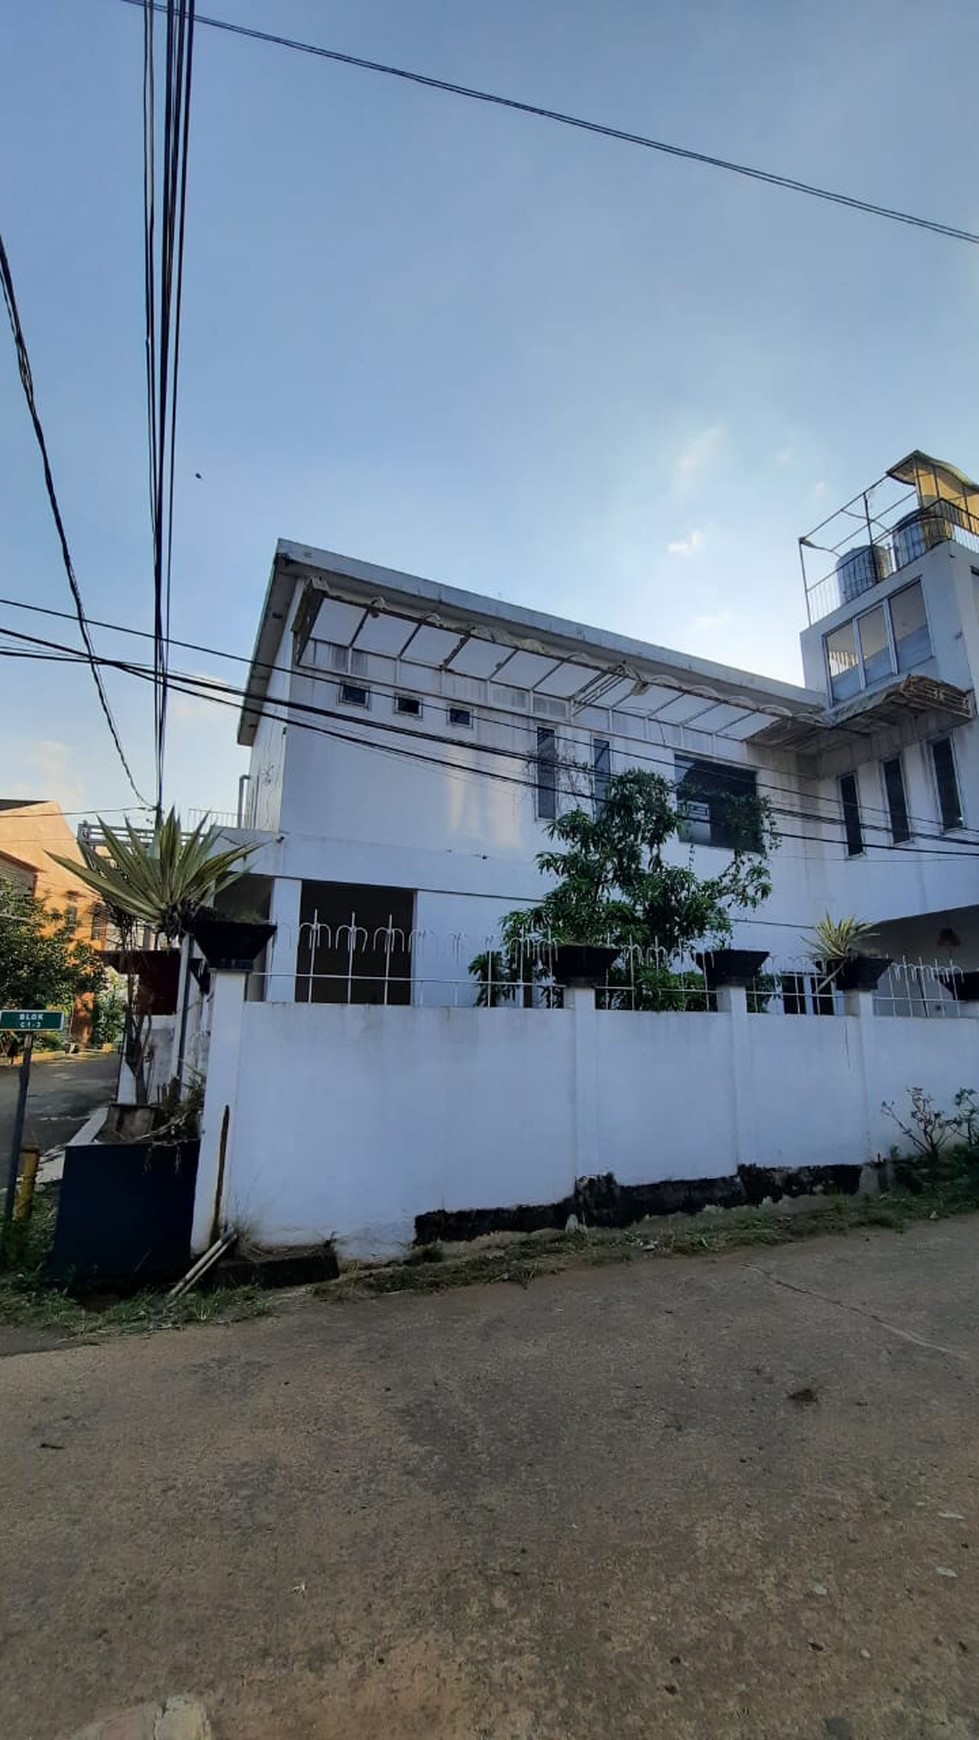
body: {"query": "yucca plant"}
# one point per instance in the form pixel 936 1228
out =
pixel 158 883
pixel 838 939
pixel 161 882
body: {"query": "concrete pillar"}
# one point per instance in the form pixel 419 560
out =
pixel 732 1003
pixel 283 950
pixel 220 1098
pixel 858 1010
pixel 580 1002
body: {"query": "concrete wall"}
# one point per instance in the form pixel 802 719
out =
pixel 349 1121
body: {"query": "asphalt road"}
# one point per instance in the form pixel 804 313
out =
pixel 62 1094
pixel 725 1499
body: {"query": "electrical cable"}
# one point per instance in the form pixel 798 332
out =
pixel 224 694
pixel 27 382
pixel 624 136
pixel 634 752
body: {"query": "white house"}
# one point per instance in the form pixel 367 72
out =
pixel 409 743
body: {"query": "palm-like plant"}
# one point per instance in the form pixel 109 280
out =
pixel 161 882
pixel 838 939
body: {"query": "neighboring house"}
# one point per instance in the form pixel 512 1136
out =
pixel 409 743
pixel 30 831
pixel 21 875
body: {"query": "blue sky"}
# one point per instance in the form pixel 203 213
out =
pixel 471 344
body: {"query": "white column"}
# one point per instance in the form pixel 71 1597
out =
pixel 858 1007
pixel 581 1004
pixel 218 1119
pixel 732 1006
pixel 283 950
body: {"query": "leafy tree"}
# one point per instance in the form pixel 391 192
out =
pixel 43 964
pixel 613 885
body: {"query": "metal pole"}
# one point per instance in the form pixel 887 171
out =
pixel 14 1167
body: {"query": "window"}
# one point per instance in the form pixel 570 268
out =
pixel 875 647
pixel 601 766
pixel 353 695
pixel 409 704
pixel 897 802
pixel 461 718
pixel 850 800
pixel 912 641
pixel 949 802
pixel 806 994
pixel 546 773
pixel 711 799
pixel 892 635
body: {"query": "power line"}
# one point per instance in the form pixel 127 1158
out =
pixel 27 382
pixel 474 94
pixel 832 818
pixel 224 694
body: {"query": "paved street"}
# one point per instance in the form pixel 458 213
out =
pixel 63 1092
pixel 726 1497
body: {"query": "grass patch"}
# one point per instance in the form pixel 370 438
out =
pixel 28 1301
pixel 521 1258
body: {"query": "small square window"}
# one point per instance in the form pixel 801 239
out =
pixel 354 695
pixel 461 718
pixel 409 704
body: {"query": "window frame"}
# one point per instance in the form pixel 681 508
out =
pixel 346 699
pixel 546 774
pixel 601 777
pixel 933 742
pixel 466 724
pixel 898 762
pixel 853 807
pixel 739 769
pixel 853 623
pixel 408 706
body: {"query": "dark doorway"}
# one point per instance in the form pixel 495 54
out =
pixel 354 943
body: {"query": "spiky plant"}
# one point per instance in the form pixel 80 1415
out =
pixel 160 882
pixel 837 939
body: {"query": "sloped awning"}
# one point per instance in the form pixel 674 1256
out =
pixel 945 703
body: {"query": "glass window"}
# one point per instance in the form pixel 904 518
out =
pixel 352 695
pixel 909 623
pixel 841 657
pixel 897 802
pixel 461 717
pixel 949 802
pixel 408 704
pixel 711 801
pixel 546 773
pixel 850 800
pixel 875 647
pixel 601 752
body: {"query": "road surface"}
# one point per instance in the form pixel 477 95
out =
pixel 731 1498
pixel 62 1094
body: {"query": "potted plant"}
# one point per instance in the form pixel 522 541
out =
pixel 229 943
pixel 578 965
pixel 727 967
pixel 837 952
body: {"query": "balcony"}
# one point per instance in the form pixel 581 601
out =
pixel 917 505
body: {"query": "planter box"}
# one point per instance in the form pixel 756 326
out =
pixel 582 965
pixel 230 944
pixel 722 967
pixel 158 972
pixel 859 973
pixel 124 1213
pixel 964 987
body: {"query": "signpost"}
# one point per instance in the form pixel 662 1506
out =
pixel 28 1022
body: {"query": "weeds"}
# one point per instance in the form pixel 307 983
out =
pixel 944 1145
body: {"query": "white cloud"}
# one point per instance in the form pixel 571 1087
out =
pixel 784 456
pixel 687 546
pixel 50 774
pixel 710 622
pixel 690 465
pixel 819 490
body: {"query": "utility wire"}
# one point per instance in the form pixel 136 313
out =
pixel 565 120
pixel 224 694
pixel 635 753
pixel 27 382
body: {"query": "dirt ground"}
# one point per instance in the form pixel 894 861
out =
pixel 705 1498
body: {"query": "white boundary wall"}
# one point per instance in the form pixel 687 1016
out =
pixel 348 1121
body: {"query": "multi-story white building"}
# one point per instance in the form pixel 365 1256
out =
pixel 410 742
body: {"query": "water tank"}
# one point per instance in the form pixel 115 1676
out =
pixel 861 568
pixel 926 527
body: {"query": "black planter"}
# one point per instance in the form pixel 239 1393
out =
pixel 124 1213
pixel 964 987
pixel 724 967
pixel 230 944
pixel 858 972
pixel 581 965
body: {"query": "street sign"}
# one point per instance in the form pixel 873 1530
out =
pixel 32 1020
